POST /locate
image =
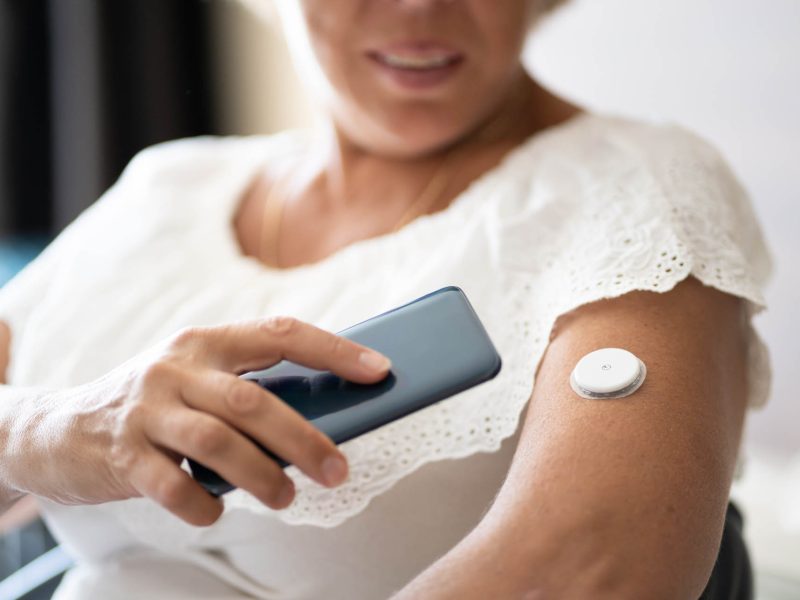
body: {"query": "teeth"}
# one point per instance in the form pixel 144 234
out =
pixel 415 62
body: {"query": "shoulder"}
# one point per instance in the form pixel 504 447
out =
pixel 601 157
pixel 191 160
pixel 620 204
pixel 643 141
pixel 662 167
pixel 617 171
pixel 181 179
pixel 702 198
pixel 623 166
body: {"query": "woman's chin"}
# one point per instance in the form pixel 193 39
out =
pixel 413 140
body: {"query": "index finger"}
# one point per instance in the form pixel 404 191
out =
pixel 252 345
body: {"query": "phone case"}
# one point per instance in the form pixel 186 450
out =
pixel 437 345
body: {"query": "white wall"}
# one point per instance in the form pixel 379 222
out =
pixel 728 69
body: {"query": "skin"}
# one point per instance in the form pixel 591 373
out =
pixel 408 124
pixel 604 499
pixel 124 435
pixel 616 498
pixel 5 350
pixel 387 144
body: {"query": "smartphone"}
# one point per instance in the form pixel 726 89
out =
pixel 437 345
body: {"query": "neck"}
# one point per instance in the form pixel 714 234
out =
pixel 349 168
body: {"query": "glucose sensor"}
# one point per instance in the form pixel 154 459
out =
pixel 607 373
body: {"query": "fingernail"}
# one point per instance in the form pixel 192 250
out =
pixel 334 470
pixel 286 495
pixel 374 361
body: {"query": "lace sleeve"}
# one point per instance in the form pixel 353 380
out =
pixel 662 205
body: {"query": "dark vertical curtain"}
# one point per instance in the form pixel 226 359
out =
pixel 25 174
pixel 84 85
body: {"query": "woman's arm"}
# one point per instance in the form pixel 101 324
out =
pixel 125 434
pixel 616 498
pixel 5 350
pixel 7 497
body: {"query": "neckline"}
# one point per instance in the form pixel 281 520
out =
pixel 457 204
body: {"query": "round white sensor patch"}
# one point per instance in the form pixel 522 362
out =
pixel 607 373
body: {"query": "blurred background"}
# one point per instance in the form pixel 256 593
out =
pixel 84 84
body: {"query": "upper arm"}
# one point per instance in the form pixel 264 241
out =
pixel 631 492
pixel 5 350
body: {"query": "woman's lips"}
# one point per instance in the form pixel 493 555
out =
pixel 416 66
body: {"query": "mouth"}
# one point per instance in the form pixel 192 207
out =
pixel 415 63
pixel 416 66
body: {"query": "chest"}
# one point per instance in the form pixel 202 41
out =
pixel 287 226
pixel 299 231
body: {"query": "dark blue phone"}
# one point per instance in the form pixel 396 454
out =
pixel 437 345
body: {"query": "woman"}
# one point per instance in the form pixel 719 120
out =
pixel 443 163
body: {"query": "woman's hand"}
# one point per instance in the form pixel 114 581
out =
pixel 125 434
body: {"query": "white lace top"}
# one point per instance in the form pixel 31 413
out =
pixel 591 208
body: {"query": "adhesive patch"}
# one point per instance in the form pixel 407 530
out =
pixel 607 373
